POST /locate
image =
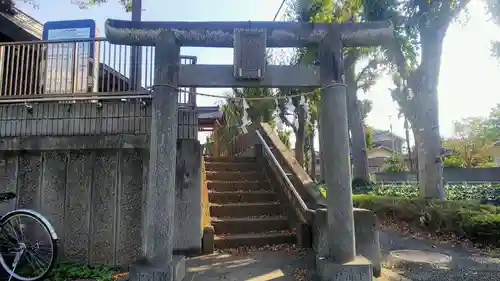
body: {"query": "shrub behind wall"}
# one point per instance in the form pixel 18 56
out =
pixel 479 223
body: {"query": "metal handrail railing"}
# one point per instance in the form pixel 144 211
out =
pixel 282 173
pixel 58 41
pixel 77 67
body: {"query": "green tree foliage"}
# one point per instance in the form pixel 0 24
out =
pixel 127 4
pixel 331 11
pixel 472 142
pixel 493 9
pixel 261 110
pixel 471 145
pixel 233 112
pixel 368 136
pixel 285 138
pixel 474 137
pixel 453 161
pixel 365 107
pixel 493 124
pixel 395 164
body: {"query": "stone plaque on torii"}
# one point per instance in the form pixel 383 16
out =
pixel 249 41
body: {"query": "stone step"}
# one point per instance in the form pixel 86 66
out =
pixel 235 176
pixel 229 159
pixel 256 240
pixel 249 225
pixel 244 209
pixel 241 196
pixel 232 167
pixel 241 210
pixel 254 185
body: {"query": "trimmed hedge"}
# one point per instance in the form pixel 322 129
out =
pixel 466 219
pixel 477 192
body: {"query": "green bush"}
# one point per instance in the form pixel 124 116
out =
pixel 360 185
pixel 487 165
pixel 72 271
pixel 476 192
pixel 466 219
pixel 484 228
pixel 394 190
pixel 395 164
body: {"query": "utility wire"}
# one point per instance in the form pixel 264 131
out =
pixel 333 85
pixel 279 10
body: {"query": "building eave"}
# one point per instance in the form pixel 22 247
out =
pixel 25 22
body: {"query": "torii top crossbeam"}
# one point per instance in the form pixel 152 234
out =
pixel 221 34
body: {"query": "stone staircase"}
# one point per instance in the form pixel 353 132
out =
pixel 244 209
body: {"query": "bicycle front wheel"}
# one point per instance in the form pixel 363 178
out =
pixel 28 250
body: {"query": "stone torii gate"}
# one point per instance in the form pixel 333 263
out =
pixel 249 40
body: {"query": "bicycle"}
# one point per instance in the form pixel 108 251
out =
pixel 21 258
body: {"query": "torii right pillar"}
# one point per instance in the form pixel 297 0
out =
pixel 341 264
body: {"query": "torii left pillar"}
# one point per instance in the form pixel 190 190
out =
pixel 159 264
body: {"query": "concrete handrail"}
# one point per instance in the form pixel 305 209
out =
pixel 305 214
pixel 306 184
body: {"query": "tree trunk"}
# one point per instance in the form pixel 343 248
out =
pixel 430 167
pixel 415 154
pixel 419 151
pixel 358 141
pixel 321 150
pixel 307 156
pixel 427 121
pixel 313 151
pixel 407 135
pixel 300 136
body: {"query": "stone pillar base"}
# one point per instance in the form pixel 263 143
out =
pixel 360 269
pixel 159 271
pixel 304 235
pixel 207 242
pixel 367 237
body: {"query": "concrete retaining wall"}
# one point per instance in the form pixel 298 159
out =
pixel 93 191
pixel 93 198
